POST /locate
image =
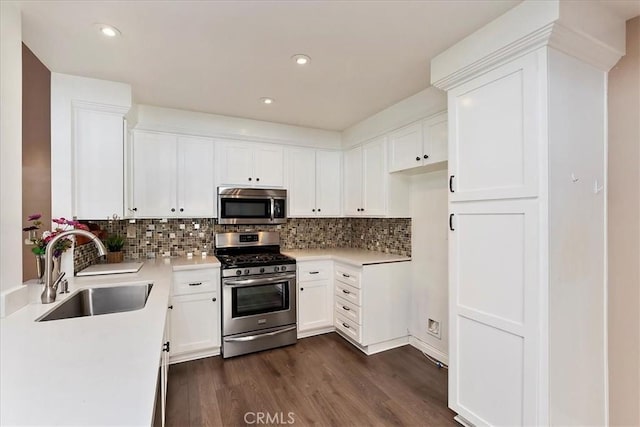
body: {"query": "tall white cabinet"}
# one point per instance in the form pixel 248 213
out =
pixel 527 208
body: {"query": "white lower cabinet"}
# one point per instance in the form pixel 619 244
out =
pixel 195 317
pixel 315 297
pixel 371 305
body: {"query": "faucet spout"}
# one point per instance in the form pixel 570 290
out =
pixel 51 283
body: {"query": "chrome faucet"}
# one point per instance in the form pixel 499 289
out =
pixel 50 283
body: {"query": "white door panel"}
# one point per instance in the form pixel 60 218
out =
pixel 405 148
pixel 495 140
pixel 328 183
pixel 196 190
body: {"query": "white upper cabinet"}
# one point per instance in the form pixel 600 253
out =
pixel 353 181
pixel 419 144
pixel 314 182
pixel 250 164
pixel 405 148
pixel 99 163
pixel 196 188
pixel 172 176
pixel 374 174
pixel 369 189
pixel 328 183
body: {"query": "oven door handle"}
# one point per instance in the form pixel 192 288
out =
pixel 259 281
pixel 255 337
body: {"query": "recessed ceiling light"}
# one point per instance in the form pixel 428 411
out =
pixel 301 59
pixel 109 31
pixel 266 101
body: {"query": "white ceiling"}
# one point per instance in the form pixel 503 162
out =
pixel 220 57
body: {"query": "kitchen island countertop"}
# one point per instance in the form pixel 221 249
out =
pixel 354 257
pixel 95 370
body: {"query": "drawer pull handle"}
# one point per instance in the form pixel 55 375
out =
pixel 195 284
pixel 344 307
pixel 345 275
pixel 314 272
pixel 345 291
pixel 345 325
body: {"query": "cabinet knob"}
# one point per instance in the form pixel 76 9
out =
pixel 249 178
pixel 170 307
pixel 181 209
pixel 173 209
pixel 257 179
pixel 301 289
pixel 417 158
pixel 135 209
pixel 313 210
pixel 214 299
pixel 319 209
pixel 426 156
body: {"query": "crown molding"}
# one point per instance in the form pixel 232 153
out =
pixel 529 27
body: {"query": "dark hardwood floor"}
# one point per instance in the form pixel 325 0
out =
pixel 321 380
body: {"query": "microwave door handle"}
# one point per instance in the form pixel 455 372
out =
pixel 273 206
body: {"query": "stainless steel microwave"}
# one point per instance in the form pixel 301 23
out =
pixel 251 205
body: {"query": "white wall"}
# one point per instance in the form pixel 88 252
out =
pixel 213 125
pixel 64 90
pixel 423 104
pixel 10 151
pixel 624 234
pixel 429 251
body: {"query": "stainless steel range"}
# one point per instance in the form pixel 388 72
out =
pixel 258 293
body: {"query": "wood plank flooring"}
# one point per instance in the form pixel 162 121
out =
pixel 322 380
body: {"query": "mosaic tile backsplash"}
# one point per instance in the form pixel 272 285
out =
pixel 148 238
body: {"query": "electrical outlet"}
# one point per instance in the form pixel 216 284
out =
pixel 433 328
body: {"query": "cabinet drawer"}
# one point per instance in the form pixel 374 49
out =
pixel 347 309
pixel 348 327
pixel 348 293
pixel 347 275
pixel 314 271
pixel 195 281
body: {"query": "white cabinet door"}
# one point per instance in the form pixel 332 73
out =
pixel 435 139
pixel 164 366
pixel 99 164
pixel 315 304
pixel 493 281
pixel 374 177
pixel 195 322
pixel 154 175
pixel 328 183
pixel 353 181
pixel 268 165
pixel 235 160
pixel 405 148
pixel 493 151
pixel 196 188
pixel 302 182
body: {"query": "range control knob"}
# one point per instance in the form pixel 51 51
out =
pixel 246 271
pixel 276 268
pixel 262 270
pixel 238 272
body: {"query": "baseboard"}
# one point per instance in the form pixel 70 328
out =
pixel 462 421
pixel 377 347
pixel 429 349
pixel 320 331
pixel 185 357
pixel 13 300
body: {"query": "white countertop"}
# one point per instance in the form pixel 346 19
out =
pixel 96 370
pixel 355 257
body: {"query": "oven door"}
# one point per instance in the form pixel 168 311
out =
pixel 251 304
